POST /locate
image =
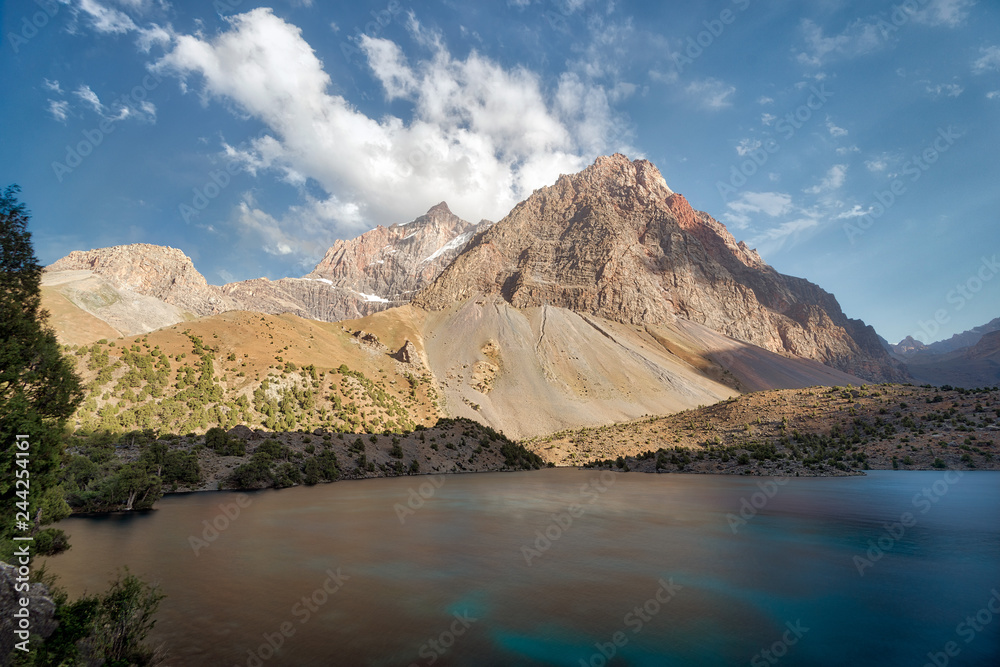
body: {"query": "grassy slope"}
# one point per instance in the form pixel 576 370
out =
pixel 871 426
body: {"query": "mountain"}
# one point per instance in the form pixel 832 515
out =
pixel 968 359
pixel 138 288
pixel 976 365
pixel 614 241
pixel 968 338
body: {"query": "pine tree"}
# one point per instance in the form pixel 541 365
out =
pixel 39 390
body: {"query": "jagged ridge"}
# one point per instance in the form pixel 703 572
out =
pixel 616 241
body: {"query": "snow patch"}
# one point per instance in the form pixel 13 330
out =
pixel 372 297
pixel 456 242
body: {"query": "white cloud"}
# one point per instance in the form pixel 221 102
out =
pixel 747 146
pixel 854 212
pixel 52 86
pixel 847 150
pixel 481 136
pixel 711 93
pixel 768 118
pixel 768 203
pixel 876 165
pixel 305 230
pixel 59 109
pixel 989 61
pixel 765 100
pixel 89 97
pixel 858 38
pixel 947 13
pixel 993 95
pixel 834 130
pixel 945 90
pixel 106 19
pixel 774 238
pixel 833 180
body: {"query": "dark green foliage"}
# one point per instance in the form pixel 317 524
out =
pixel 105 629
pixel 516 456
pixel 224 445
pixel 39 390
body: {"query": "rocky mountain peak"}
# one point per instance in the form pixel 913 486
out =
pixel 617 242
pixel 161 272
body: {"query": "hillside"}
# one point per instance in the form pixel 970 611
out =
pixel 275 372
pixel 616 242
pixel 532 371
pixel 812 431
pixel 138 288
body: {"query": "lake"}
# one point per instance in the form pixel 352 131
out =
pixel 568 567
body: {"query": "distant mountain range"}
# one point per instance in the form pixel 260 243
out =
pixel 967 359
pixel 603 297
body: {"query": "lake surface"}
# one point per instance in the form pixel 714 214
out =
pixel 568 567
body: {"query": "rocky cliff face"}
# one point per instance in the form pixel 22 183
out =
pixel 160 272
pixel 389 264
pixel 380 269
pixel 616 242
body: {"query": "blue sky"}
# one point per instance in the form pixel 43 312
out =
pixel 853 143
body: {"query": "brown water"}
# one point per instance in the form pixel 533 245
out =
pixel 466 579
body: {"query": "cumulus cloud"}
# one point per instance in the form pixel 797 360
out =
pixel 481 136
pixel 833 180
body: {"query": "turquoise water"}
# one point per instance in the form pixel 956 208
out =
pixel 569 568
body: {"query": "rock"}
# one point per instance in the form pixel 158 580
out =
pixel 369 339
pixel 407 354
pixel 616 242
pixel 381 268
pixel 41 610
